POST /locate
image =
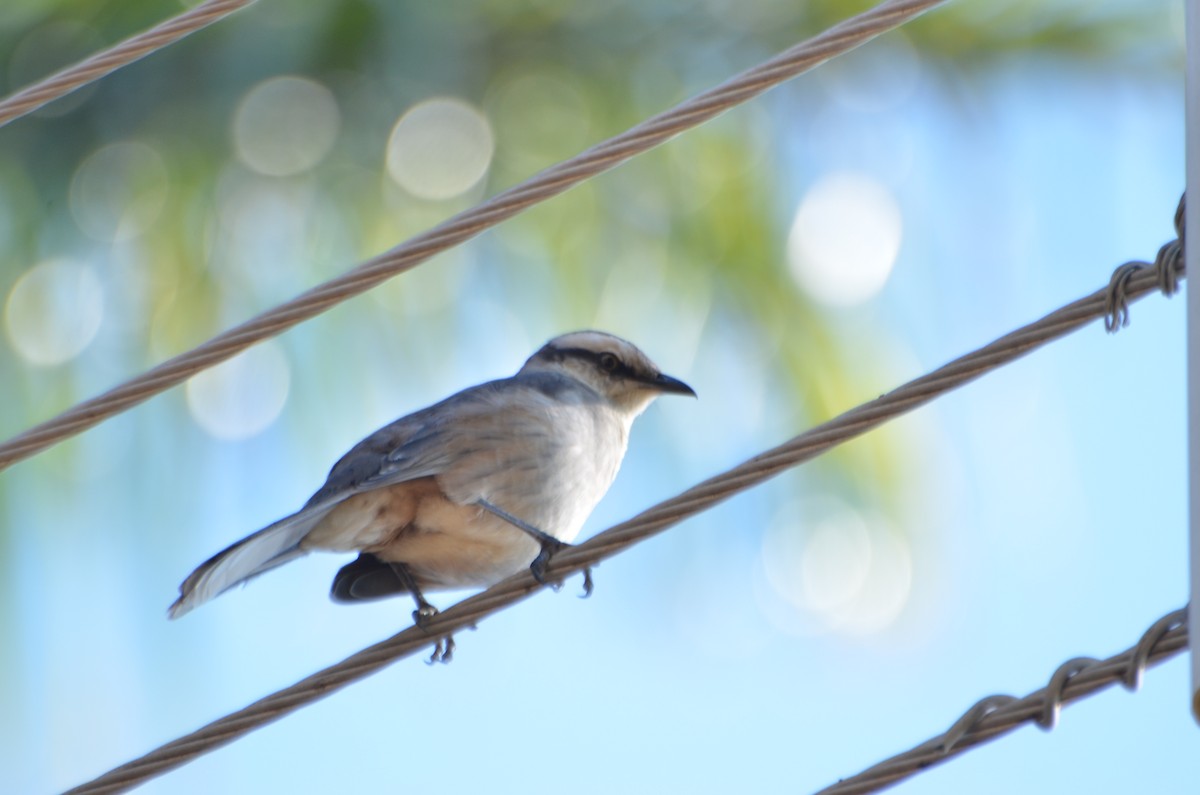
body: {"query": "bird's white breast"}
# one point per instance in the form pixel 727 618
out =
pixel 548 464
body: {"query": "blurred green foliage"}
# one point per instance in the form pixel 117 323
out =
pixel 702 220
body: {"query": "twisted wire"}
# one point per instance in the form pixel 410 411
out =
pixel 1117 312
pixel 466 225
pixel 993 716
pixel 108 61
pixel 703 496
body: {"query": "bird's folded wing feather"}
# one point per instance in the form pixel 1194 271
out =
pixel 466 431
pixel 462 440
pixel 423 444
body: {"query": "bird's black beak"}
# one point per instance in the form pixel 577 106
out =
pixel 668 385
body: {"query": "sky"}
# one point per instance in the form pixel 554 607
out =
pixel 783 640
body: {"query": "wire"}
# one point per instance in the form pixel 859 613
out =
pixel 104 63
pixel 988 718
pixel 993 716
pixel 466 225
pixel 470 611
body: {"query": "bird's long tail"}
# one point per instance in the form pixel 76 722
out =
pixel 272 546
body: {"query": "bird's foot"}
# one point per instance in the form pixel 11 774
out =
pixel 443 651
pixel 550 548
pixel 423 613
pixel 425 610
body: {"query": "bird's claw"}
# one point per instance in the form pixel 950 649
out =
pixel 538 568
pixel 443 651
pixel 423 613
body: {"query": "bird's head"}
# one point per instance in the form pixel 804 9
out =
pixel 611 366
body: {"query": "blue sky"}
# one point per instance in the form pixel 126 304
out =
pixel 1042 517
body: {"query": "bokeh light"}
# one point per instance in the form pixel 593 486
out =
pixel 271 234
pixel 240 398
pixel 118 192
pixel 440 149
pixel 844 239
pixel 983 531
pixel 54 311
pixel 285 126
pixel 541 116
pixel 848 573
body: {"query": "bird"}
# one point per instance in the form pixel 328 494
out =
pixel 468 491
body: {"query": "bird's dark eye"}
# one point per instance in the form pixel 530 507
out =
pixel 609 362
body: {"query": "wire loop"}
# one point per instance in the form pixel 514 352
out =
pixel 1054 691
pixel 996 715
pixel 1141 653
pixel 1168 266
pixel 970 719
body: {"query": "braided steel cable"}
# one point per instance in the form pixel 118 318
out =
pixel 439 629
pixel 104 63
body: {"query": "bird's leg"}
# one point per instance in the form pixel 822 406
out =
pixel 550 547
pixel 425 610
pixel 443 650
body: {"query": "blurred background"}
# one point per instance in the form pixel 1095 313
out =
pixel 808 251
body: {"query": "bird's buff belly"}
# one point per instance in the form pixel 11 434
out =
pixel 444 545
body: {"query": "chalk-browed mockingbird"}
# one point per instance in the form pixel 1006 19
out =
pixel 470 490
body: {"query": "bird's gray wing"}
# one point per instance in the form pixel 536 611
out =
pixel 412 447
pixel 470 433
pixel 464 440
pixel 423 444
